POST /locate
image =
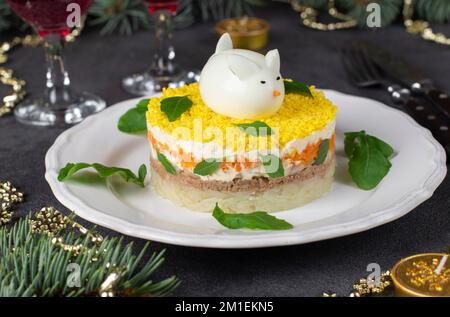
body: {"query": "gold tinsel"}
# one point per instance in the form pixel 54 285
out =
pixel 9 195
pixel 421 27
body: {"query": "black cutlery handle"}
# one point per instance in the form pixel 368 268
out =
pixel 438 126
pixel 440 99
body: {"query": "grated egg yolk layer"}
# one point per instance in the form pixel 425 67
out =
pixel 298 117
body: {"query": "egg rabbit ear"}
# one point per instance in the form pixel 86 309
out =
pixel 241 66
pixel 225 43
pixel 273 60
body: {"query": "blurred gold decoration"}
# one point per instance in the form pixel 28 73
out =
pixel 9 195
pixel 308 17
pixel 50 222
pixel 5 213
pixel 420 275
pixel 7 74
pixel 421 27
pixel 329 294
pixel 366 287
pixel 108 286
pixel 370 286
pixel 423 275
pixel 246 33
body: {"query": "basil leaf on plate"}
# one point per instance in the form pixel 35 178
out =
pixel 166 163
pixel 273 165
pixel 174 107
pixel 257 128
pixel 323 151
pixel 104 171
pixel 134 120
pixel 368 159
pixel 206 167
pixel 294 87
pixel 255 220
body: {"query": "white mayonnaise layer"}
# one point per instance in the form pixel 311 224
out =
pixel 201 151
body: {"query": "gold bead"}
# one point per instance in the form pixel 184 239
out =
pixel 329 294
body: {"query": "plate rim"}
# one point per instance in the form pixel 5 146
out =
pixel 404 205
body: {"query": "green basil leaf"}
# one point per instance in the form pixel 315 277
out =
pixel 174 107
pixel 255 220
pixel 349 141
pixel 166 163
pixel 323 151
pixel 257 128
pixel 368 159
pixel 273 165
pixel 293 87
pixel 385 148
pixel 134 120
pixel 206 167
pixel 104 171
pixel 143 104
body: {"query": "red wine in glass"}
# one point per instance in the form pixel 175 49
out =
pixel 164 71
pixel 48 16
pixel 60 104
pixel 156 5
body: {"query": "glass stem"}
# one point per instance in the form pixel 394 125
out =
pixel 164 57
pixel 58 93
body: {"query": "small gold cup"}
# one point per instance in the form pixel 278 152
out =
pixel 247 32
pixel 416 276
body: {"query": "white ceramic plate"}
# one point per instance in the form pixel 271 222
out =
pixel 418 167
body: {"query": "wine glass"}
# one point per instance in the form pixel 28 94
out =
pixel 60 104
pixel 163 72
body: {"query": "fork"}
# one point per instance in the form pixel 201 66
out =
pixel 364 73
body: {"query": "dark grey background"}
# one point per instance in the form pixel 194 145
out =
pixel 98 63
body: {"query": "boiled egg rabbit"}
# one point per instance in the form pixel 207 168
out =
pixel 242 84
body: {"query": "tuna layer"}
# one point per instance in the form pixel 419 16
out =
pixel 256 184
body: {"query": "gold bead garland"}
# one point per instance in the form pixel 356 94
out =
pixel 50 222
pixel 366 287
pixel 369 287
pixel 308 17
pixel 9 195
pixel 421 27
pixel 7 75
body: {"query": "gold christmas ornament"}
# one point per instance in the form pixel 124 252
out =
pixel 423 275
pixel 108 286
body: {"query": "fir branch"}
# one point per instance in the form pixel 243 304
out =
pixel 390 10
pixel 221 9
pixel 32 265
pixel 316 4
pixel 9 20
pixel 122 16
pixel 433 11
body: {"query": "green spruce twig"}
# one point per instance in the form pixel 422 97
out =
pixel 34 265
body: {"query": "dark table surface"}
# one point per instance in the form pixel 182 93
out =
pixel 98 63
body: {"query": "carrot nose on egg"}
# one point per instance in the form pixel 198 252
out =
pixel 276 93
